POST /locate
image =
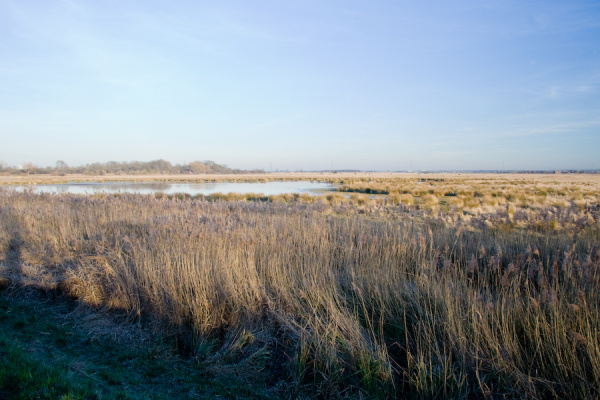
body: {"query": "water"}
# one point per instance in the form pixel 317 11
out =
pixel 266 188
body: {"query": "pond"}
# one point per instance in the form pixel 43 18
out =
pixel 266 188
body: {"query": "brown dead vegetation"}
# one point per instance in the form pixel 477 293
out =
pixel 339 296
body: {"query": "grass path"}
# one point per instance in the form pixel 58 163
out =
pixel 51 348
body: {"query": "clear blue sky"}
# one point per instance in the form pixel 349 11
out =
pixel 302 84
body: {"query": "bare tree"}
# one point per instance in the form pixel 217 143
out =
pixel 61 165
pixel 29 168
pixel 199 168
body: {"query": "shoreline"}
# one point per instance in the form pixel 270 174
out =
pixel 39 179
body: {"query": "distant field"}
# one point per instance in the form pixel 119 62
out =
pixel 570 179
pixel 437 286
pixel 46 179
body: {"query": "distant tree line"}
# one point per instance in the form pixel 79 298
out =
pixel 126 168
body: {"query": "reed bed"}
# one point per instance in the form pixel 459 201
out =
pixel 526 196
pixel 336 297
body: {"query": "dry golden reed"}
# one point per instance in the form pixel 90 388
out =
pixel 341 297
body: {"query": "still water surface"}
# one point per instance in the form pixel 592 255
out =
pixel 266 188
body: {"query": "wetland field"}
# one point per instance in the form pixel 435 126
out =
pixel 391 286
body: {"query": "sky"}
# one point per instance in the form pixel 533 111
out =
pixel 302 85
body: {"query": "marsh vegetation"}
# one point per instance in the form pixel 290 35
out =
pixel 437 289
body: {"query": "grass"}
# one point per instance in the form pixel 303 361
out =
pixel 53 349
pixel 335 297
pixel 21 179
pixel 479 193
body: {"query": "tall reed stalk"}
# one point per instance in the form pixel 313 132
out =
pixel 331 300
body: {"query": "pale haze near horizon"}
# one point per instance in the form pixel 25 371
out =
pixel 382 85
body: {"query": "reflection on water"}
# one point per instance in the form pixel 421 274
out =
pixel 267 188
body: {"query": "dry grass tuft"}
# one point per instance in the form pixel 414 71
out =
pixel 340 296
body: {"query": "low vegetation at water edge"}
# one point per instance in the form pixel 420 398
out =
pixel 333 297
